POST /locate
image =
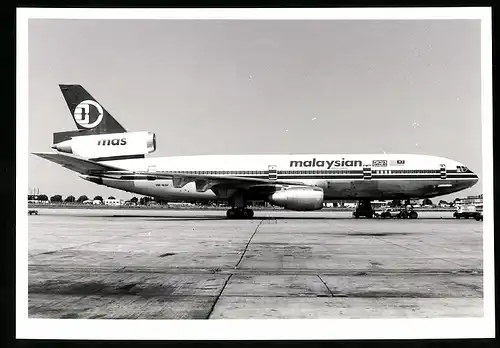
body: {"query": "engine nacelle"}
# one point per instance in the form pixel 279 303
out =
pixel 109 145
pixel 299 198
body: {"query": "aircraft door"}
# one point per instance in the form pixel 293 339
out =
pixel 272 172
pixel 367 173
pixel 442 172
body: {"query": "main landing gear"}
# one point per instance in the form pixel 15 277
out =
pixel 239 210
pixel 239 213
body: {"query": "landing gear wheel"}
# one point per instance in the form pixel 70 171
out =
pixel 239 213
pixel 247 213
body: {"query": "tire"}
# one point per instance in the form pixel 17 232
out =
pixel 413 215
pixel 231 214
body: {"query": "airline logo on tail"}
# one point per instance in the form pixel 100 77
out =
pixel 82 114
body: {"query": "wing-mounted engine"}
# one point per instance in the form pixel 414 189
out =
pixel 109 145
pixel 298 198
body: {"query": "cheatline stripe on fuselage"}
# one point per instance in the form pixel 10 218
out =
pixel 320 176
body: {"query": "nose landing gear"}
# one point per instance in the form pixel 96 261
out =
pixel 364 208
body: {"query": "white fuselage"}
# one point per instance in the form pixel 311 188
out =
pixel 347 176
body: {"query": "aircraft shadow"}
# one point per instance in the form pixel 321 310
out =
pixel 222 217
pixel 257 217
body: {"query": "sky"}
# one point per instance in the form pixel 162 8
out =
pixel 261 87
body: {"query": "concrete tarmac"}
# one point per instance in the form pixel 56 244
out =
pixel 192 264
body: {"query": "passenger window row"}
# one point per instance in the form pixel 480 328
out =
pixel 222 172
pixel 262 172
pixel 415 171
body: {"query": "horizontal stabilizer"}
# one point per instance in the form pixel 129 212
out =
pixel 78 165
pixel 59 137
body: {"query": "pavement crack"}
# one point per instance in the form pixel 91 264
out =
pixel 330 291
pixel 218 296
pixel 418 251
pixel 86 244
pixel 248 243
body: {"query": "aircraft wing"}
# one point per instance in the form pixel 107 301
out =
pixel 179 179
pixel 203 182
pixel 78 165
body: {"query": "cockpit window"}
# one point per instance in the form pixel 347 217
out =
pixel 462 169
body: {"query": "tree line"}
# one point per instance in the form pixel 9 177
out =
pixel 71 198
pixel 145 200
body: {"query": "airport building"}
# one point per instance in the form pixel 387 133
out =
pixel 115 202
pixel 473 200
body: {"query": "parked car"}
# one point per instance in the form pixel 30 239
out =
pixel 32 211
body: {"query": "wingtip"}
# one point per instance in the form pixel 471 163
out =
pixel 39 154
pixel 42 154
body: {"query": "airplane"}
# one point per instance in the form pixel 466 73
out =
pixel 103 152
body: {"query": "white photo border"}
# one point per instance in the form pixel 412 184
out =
pixel 252 329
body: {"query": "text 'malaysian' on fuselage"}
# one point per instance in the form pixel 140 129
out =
pixel 341 163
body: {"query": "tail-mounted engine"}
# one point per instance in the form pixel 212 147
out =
pixel 109 145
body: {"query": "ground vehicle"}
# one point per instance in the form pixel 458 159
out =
pixel 399 213
pixel 31 212
pixel 467 211
pixel 479 215
pixel 389 213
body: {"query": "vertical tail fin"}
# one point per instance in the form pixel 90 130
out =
pixel 89 116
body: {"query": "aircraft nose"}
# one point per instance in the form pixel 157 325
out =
pixel 475 179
